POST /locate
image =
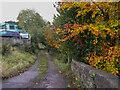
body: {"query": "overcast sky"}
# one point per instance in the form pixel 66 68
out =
pixel 10 10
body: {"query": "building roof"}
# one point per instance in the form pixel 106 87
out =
pixel 10 22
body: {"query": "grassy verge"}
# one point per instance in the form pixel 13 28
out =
pixel 66 70
pixel 43 62
pixel 15 63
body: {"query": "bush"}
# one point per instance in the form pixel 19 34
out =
pixel 6 49
pixel 35 47
pixel 89 34
pixel 22 47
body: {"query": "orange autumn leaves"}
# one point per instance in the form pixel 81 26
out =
pixel 104 31
pixel 84 7
pixel 49 36
pixel 107 61
pixel 74 30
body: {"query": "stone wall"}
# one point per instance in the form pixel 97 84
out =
pixel 90 77
pixel 16 41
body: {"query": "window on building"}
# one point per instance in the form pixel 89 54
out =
pixel 12 27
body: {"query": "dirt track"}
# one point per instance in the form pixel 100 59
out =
pixel 53 79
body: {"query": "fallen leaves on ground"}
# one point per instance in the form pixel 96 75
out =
pixel 68 85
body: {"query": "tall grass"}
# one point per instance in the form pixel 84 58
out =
pixel 16 62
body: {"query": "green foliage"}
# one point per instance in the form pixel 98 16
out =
pixel 35 47
pixel 6 49
pixel 34 24
pixel 29 17
pixel 23 48
pixel 93 79
pixel 66 69
pixel 63 57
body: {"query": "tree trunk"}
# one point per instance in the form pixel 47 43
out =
pixel 68 59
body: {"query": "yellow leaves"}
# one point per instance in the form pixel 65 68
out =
pixel 95 61
pixel 87 58
pixel 82 31
pixel 94 13
pixel 109 43
pixel 108 29
pixel 68 30
pixel 103 35
pixel 68 85
pixel 85 27
pixel 110 34
pixel 79 13
pixel 69 8
pixel 91 59
pixel 117 72
pixel 57 46
pixel 116 47
pixel 97 30
pixel 60 72
pixel 116 30
pixel 61 39
pixel 95 41
pixel 69 5
pixel 76 78
pixel 65 5
pixel 71 31
pixel 114 23
pixel 111 48
pixel 58 30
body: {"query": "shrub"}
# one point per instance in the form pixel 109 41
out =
pixel 90 34
pixel 6 49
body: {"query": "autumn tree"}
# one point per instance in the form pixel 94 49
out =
pixel 89 32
